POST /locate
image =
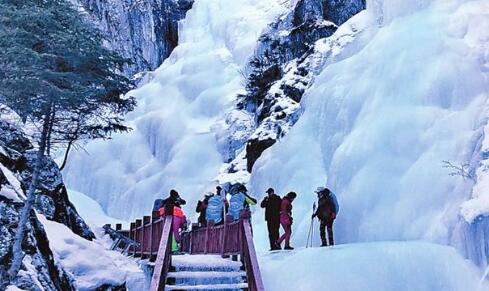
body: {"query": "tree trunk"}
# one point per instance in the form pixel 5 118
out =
pixel 66 155
pixel 18 254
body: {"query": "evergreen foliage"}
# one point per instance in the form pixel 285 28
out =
pixel 56 75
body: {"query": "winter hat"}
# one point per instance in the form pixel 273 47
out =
pixel 292 195
pixel 270 190
pixel 320 190
pixel 174 193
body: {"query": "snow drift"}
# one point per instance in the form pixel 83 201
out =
pixel 383 266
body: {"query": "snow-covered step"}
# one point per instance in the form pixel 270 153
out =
pixel 206 275
pixel 205 263
pixel 206 278
pixel 227 287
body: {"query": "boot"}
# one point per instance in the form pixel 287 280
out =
pixel 288 248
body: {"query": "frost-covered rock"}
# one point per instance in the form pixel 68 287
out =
pixel 145 32
pixel 17 157
pixel 39 271
pixel 288 56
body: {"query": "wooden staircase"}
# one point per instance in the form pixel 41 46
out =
pixel 205 272
pixel 219 257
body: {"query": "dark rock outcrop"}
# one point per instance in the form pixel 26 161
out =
pixel 281 70
pixel 51 196
pixel 38 271
pixel 145 32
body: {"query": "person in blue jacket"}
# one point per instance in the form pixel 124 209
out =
pixel 326 212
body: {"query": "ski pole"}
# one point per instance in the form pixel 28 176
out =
pixel 312 224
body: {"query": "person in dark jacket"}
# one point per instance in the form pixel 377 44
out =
pixel 173 200
pixel 327 211
pixel 286 220
pixel 272 203
pixel 202 208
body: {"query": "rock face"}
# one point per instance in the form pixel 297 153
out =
pixel 51 196
pixel 39 271
pixel 288 56
pixel 145 32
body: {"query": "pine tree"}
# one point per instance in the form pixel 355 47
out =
pixel 56 75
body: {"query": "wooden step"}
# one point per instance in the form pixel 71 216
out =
pixel 205 275
pixel 238 286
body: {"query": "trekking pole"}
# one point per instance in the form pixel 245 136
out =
pixel 309 233
pixel 312 223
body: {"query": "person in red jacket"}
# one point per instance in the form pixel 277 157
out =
pixel 286 220
pixel 179 221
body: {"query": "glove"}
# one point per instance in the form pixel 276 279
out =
pixel 333 215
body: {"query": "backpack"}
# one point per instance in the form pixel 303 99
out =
pixel 157 204
pixel 214 209
pixel 236 204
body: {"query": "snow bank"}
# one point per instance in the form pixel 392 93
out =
pixel 91 211
pixel 377 125
pixel 384 266
pixel 173 144
pixel 90 263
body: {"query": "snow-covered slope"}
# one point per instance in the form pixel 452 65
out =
pixel 377 126
pixel 173 143
pixel 383 266
pixel 110 269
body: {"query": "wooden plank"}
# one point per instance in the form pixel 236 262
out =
pixel 252 259
pixel 163 258
pixel 145 235
pixel 137 236
pixel 132 235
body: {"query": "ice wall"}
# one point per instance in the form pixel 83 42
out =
pixel 377 125
pixel 173 143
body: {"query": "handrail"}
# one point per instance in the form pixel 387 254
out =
pixel 230 238
pixel 255 282
pixel 162 263
pixel 152 236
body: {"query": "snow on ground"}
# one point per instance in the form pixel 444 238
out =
pixel 91 264
pixel 383 266
pixel 91 211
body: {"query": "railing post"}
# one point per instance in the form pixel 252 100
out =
pixel 154 217
pixel 144 238
pixel 132 235
pixel 223 238
pixel 139 222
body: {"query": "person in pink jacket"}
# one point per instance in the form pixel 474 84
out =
pixel 286 220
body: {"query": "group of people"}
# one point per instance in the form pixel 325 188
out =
pixel 278 211
pixel 215 207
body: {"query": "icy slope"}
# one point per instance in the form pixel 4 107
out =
pixel 384 266
pixel 172 144
pixel 377 125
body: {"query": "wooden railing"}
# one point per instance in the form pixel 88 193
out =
pixel 152 237
pixel 229 239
